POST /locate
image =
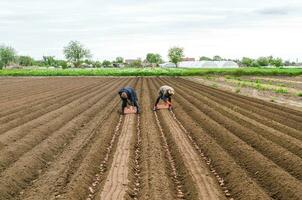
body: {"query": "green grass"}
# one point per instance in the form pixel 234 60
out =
pixel 281 91
pixel 149 72
pixel 299 94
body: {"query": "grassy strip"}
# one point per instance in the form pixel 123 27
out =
pixel 252 84
pixel 149 72
pixel 257 85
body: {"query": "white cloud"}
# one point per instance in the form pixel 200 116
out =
pixel 132 28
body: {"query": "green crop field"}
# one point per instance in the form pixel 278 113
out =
pixel 150 72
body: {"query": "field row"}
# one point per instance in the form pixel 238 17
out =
pixel 62 138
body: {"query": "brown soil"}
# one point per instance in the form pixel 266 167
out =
pixel 117 179
pixel 62 138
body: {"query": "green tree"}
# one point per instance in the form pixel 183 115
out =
pixel 106 63
pixel 119 60
pixel 7 55
pixel 277 62
pixel 176 54
pixel 75 52
pixel 255 64
pixel 49 61
pixel 263 61
pixel 26 61
pixel 62 63
pixel 97 64
pixel 217 58
pixel 154 59
pixel 247 61
pixel 204 58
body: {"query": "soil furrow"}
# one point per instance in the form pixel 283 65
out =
pixel 279 155
pixel 12 152
pixel 19 94
pixel 205 183
pixel 90 173
pixel 183 183
pixel 34 112
pixel 234 177
pixel 135 164
pixel 60 87
pixel 61 171
pixel 259 123
pixel 264 171
pixel 270 119
pixel 54 97
pixel 275 112
pixel 31 163
pixel 116 182
pixel 156 178
pixel 44 125
pixel 62 138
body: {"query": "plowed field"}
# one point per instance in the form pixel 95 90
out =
pixel 63 138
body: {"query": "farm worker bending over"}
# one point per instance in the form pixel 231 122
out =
pixel 128 96
pixel 165 93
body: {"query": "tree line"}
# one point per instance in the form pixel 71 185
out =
pixel 77 55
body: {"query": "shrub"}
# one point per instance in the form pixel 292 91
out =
pixel 7 55
pixel 26 61
pixel 136 64
pixel 106 63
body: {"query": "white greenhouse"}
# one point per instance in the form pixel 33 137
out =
pixel 203 64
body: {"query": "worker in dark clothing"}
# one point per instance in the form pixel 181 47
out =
pixel 129 97
pixel 165 93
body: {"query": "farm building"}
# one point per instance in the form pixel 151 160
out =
pixel 188 59
pixel 203 64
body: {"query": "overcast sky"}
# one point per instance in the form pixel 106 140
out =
pixel 132 28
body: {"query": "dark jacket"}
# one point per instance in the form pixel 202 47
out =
pixel 130 93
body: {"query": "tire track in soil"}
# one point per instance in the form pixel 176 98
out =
pixel 207 186
pixel 116 183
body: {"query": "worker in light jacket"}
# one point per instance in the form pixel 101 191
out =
pixel 129 97
pixel 165 93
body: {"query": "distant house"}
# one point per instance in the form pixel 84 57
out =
pixel 203 64
pixel 188 59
